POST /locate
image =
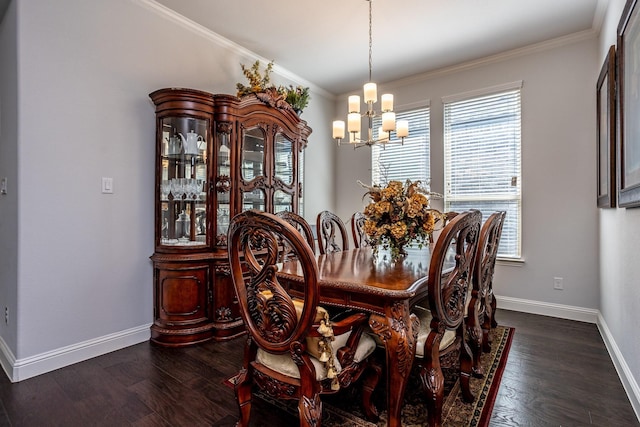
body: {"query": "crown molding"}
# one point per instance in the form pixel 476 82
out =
pixel 503 56
pixel 228 44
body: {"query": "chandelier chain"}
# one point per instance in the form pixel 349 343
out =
pixel 370 40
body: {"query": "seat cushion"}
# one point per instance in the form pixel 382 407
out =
pixel 316 346
pixel 284 364
pixel 424 315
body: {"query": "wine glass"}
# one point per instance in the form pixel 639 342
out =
pixel 197 188
pixel 177 188
pixel 165 189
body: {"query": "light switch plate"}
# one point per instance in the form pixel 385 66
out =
pixel 3 186
pixel 107 185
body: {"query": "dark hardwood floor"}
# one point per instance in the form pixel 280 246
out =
pixel 558 374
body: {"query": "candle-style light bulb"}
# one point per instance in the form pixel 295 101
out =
pixel 338 129
pixel 388 121
pixel 354 122
pixel 370 92
pixel 386 102
pixel 402 128
pixel 354 104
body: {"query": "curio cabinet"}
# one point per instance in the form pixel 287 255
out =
pixel 216 155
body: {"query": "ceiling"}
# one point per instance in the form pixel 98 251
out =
pixel 326 42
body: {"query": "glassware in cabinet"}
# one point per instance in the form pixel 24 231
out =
pixel 182 192
pixel 223 181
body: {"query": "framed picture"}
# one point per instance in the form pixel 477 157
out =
pixel 628 53
pixel 606 125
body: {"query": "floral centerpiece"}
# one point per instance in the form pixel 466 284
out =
pixel 399 216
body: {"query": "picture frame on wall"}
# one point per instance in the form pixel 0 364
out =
pixel 628 59
pixel 606 131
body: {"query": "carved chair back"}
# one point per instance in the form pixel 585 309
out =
pixel 442 332
pixel 332 233
pixel 482 304
pixel 360 239
pixel 300 224
pixel 255 242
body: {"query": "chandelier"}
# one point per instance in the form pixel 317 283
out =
pixel 354 124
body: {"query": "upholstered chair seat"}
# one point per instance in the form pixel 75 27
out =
pixel 424 315
pixel 284 364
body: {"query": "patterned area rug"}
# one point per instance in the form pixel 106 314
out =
pixel 343 409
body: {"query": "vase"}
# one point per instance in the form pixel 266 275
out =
pixel 392 250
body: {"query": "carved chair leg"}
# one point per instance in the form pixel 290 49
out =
pixel 432 381
pixel 489 323
pixel 370 379
pixel 433 386
pixel 473 322
pixel 466 367
pixel 494 324
pixel 243 397
pixel 486 328
pixel 310 410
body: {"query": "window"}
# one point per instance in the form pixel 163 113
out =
pixel 482 158
pixel 395 162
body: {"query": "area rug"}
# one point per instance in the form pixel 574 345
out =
pixel 343 409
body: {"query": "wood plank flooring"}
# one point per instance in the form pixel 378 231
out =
pixel 558 374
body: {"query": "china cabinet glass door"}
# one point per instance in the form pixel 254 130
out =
pixel 183 199
pixel 283 174
pixel 223 183
pixel 252 168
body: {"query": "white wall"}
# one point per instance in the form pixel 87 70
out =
pixel 86 69
pixel 560 224
pixel 8 169
pixel 619 259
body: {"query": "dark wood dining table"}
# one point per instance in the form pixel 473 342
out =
pixel 359 280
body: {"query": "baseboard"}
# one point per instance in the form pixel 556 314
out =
pixel 7 359
pixel 628 382
pixel 22 369
pixel 589 315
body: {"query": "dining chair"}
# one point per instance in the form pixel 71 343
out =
pixel 360 238
pixel 300 224
pixel 332 233
pixel 480 318
pixel 441 338
pixel 293 349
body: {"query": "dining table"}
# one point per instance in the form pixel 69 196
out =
pixel 387 289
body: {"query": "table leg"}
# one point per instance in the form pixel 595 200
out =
pixel 398 329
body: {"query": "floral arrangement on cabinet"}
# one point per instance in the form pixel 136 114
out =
pixel 296 96
pixel 398 216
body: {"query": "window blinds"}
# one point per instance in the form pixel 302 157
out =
pixel 482 140
pixel 395 162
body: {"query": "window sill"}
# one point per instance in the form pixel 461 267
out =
pixel 514 262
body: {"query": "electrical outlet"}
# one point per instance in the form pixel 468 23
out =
pixel 6 315
pixel 557 283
